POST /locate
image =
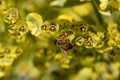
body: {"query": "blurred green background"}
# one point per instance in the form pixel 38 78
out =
pixel 42 60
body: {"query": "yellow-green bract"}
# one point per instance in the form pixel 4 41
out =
pixel 34 22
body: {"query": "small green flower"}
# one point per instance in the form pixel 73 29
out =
pixel 22 27
pixel 10 15
pixel 53 27
pixel 79 41
pixel 45 26
pixel 91 39
pixel 12 29
pixel 12 51
pixel 114 35
pixel 80 28
pixel 88 44
pixel 101 38
pixel 67 34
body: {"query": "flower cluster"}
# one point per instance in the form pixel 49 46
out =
pixel 59 41
pixel 66 32
pixel 105 4
pixel 8 54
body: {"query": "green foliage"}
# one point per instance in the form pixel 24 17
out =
pixel 59 39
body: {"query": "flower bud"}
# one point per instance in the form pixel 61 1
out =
pixel 88 44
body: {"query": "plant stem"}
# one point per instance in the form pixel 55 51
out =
pixel 100 19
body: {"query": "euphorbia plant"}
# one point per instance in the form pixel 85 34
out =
pixel 60 47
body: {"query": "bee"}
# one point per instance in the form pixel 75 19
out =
pixel 63 44
pixel 67 46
